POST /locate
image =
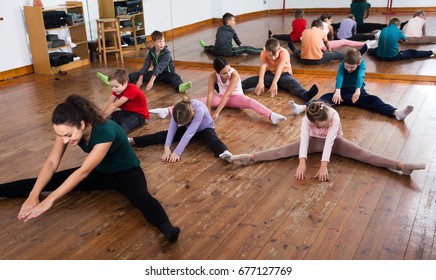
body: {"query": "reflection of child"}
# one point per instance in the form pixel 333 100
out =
pixel 388 49
pixel 415 30
pixel 321 131
pixel 348 29
pixel 350 90
pixel 230 94
pixel 127 105
pixel 276 72
pixel 190 119
pixel 298 26
pixel 327 25
pixel 223 40
pixel 311 52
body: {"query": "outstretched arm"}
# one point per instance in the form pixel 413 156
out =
pixel 210 91
pixel 367 13
pixel 273 90
pixel 50 166
pixel 92 160
pixel 260 87
pixel 115 104
pixel 233 80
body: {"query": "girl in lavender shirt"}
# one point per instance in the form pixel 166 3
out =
pixel 190 119
pixel 321 131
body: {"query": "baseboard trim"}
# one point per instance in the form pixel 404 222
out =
pixel 255 69
pixel 20 71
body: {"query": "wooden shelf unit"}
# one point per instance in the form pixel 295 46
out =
pixel 38 42
pixel 107 9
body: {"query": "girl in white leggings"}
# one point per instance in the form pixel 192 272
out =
pixel 321 131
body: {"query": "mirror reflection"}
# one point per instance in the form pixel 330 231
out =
pixel 183 24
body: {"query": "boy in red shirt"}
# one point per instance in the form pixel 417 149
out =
pixel 127 105
pixel 298 26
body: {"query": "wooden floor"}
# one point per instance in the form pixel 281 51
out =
pixel 227 211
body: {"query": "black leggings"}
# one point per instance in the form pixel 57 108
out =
pixel 131 183
pixel 207 136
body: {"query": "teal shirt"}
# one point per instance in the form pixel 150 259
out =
pixel 353 79
pixel 358 10
pixel 120 156
pixel 388 41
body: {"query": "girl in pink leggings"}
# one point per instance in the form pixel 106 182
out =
pixel 227 82
pixel 321 131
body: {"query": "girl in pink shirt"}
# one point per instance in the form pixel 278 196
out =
pixel 415 30
pixel 321 131
pixel 227 82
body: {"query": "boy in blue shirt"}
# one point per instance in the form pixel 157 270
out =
pixel 388 49
pixel 350 90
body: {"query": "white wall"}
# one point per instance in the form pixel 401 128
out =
pixel 15 51
pixel 14 48
pixel 243 7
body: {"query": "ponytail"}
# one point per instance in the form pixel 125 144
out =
pixel 219 63
pixel 76 109
pixel 183 111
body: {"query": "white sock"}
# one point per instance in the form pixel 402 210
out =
pixel 371 44
pixel 276 118
pixel 161 112
pixel 295 108
pixel 377 34
pixel 403 113
pixel 226 155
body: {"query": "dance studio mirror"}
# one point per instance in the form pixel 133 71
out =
pixel 169 15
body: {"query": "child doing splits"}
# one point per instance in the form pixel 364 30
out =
pixel 127 105
pixel 227 82
pixel 350 90
pixel 321 131
pixel 110 163
pixel 190 119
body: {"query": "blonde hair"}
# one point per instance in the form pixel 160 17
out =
pixel 318 111
pixel 183 111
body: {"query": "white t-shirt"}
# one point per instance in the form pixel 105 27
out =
pixel 413 28
pixel 325 26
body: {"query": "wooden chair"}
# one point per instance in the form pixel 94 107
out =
pixel 112 26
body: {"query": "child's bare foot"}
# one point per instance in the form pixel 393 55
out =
pixel 244 159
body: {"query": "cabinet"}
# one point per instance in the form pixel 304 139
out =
pixel 38 43
pixel 131 16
